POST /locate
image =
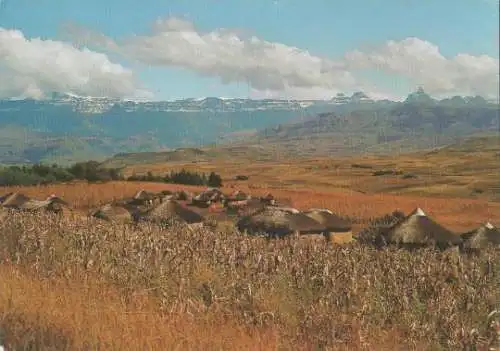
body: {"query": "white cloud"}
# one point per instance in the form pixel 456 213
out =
pixel 34 67
pixel 281 70
pixel 229 55
pixel 271 69
pixel 422 63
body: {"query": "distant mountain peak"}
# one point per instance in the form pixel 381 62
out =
pixel 419 96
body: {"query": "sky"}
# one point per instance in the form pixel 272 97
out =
pixel 288 49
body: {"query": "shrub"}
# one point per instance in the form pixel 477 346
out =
pixel 181 177
pixel 44 174
pixel 387 172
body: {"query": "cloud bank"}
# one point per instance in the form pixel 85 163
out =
pixel 270 68
pixel 34 67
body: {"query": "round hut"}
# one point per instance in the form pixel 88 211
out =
pixel 339 230
pixel 238 195
pixel 15 200
pixel 113 213
pixel 484 236
pixel 279 222
pixel 419 230
pixel 145 198
pixel 171 210
pixel 57 205
pixel 268 199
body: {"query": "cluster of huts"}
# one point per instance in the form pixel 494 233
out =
pixel 264 215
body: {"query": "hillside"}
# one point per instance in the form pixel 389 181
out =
pixel 191 155
pixel 68 129
pixel 381 129
pixel 468 168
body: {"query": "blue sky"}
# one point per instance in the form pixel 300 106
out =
pixel 327 29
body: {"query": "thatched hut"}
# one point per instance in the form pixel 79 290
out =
pixel 202 200
pixel 338 229
pixel 238 195
pixel 280 222
pixel 207 197
pixel 183 195
pixel 145 198
pixel 243 207
pixel 419 230
pixel 18 201
pixel 57 205
pixel 171 210
pixel 482 237
pixel 4 197
pixel 14 200
pixel 375 232
pixel 113 213
pixel 268 199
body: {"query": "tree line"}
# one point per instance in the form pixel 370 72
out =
pixel 92 171
pixel 183 176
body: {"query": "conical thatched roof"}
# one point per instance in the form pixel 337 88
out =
pixel 4 197
pixel 268 196
pixel 238 195
pixel 171 209
pixel 210 194
pixel 21 202
pixel 113 213
pixel 57 200
pixel 419 229
pixel 244 207
pixel 484 236
pixel 280 221
pixel 15 200
pixel 32 205
pixel 144 195
pixel 202 197
pixel 183 195
pixel 331 221
pixel 268 199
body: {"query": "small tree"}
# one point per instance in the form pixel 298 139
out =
pixel 214 180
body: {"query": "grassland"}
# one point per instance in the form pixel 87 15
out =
pixel 469 169
pixel 74 283
pixel 71 284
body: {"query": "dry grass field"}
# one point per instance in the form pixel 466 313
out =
pixel 84 284
pixel 459 214
pixel 70 284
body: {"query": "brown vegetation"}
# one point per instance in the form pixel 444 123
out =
pixel 455 213
pixel 80 284
pixel 77 283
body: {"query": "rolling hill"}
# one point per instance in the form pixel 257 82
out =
pixel 383 128
pixel 69 129
pixel 468 168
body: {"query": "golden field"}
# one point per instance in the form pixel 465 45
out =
pixel 69 284
pixel 459 189
pixel 74 283
pixel 457 213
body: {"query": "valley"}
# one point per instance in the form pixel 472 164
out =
pixel 68 129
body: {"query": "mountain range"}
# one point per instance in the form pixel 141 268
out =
pixel 69 128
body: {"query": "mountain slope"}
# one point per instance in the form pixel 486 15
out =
pixel 75 129
pixel 68 129
pixel 378 128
